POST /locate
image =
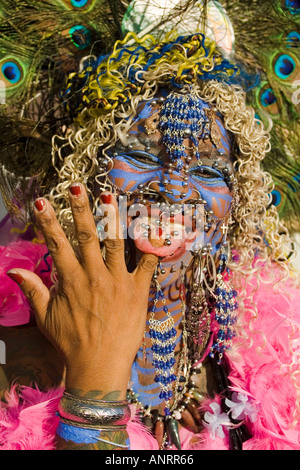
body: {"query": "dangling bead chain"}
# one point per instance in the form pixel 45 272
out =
pixel 226 309
pixel 182 378
pixel 163 338
pixel 182 116
pixel 179 386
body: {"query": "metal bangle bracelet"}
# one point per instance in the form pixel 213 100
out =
pixel 94 412
pixel 96 427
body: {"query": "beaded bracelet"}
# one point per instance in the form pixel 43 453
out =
pixel 93 414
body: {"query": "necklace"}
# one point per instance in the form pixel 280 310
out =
pixel 178 390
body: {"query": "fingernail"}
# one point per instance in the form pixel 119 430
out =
pixel 106 198
pixel 15 277
pixel 40 204
pixel 75 189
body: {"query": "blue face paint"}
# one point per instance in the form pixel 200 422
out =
pixel 134 166
pixel 146 161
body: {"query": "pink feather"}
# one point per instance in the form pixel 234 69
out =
pixel 14 307
pixel 28 420
pixel 266 372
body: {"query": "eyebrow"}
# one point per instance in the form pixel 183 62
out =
pixel 214 154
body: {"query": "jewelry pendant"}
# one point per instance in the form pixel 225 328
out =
pixel 198 316
pixel 173 432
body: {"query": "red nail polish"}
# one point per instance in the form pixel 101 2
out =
pixel 106 198
pixel 75 189
pixel 40 204
pixel 16 277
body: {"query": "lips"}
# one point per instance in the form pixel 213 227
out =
pixel 156 232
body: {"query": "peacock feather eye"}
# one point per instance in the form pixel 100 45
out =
pixel 293 6
pixel 78 4
pixel 11 72
pixel 80 36
pixel 278 197
pixel 284 65
pixel 293 39
pixel 266 101
pixel 267 97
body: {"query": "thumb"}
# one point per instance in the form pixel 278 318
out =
pixel 145 269
pixel 34 290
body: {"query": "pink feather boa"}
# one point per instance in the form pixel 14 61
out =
pixel 14 307
pixel 262 370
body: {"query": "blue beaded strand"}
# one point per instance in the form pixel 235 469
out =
pixel 182 116
pixel 225 311
pixel 163 338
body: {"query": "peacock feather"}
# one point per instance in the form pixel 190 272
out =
pixel 42 42
pixel 267 40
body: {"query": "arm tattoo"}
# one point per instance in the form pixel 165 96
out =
pixel 95 394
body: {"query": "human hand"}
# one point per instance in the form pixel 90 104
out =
pixel 97 316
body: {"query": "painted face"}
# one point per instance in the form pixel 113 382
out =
pixel 198 175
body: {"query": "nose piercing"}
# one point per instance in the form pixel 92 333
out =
pixel 199 198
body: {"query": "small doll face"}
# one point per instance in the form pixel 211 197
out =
pixel 187 184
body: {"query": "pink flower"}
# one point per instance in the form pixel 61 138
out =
pixel 242 406
pixel 215 421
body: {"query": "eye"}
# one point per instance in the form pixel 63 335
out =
pixel 141 159
pixel 206 172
